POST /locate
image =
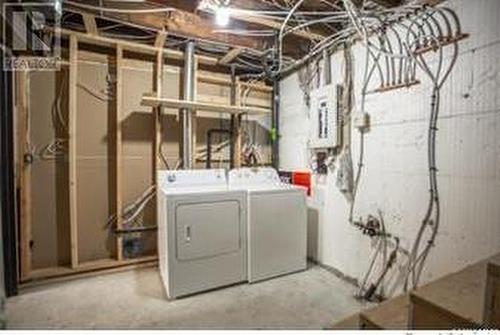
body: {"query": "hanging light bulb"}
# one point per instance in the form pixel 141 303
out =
pixel 58 7
pixel 222 15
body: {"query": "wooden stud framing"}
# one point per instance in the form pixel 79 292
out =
pixel 194 117
pixel 157 113
pixel 98 266
pixel 203 78
pixel 232 54
pixel 131 46
pixel 90 24
pixel 72 116
pixel 23 118
pixel 118 148
pixel 254 102
pixel 157 119
pixel 160 39
pixel 275 25
pixel 156 101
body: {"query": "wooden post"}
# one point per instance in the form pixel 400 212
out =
pixel 90 24
pixel 157 113
pixel 23 119
pixel 230 56
pixel 235 121
pixel 157 120
pixel 73 75
pixel 160 39
pixel 118 148
pixel 194 112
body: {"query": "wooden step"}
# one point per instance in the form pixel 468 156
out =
pixel 492 295
pixel 350 323
pixel 390 315
pixel 454 301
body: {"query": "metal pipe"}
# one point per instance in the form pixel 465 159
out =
pixel 187 115
pixel 233 118
pixel 275 132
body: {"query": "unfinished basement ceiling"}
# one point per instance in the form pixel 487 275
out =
pixel 257 30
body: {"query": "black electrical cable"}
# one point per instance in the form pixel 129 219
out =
pixel 8 199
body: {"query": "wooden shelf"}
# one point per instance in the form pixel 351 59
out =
pixel 153 101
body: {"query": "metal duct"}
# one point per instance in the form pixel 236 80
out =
pixel 275 120
pixel 187 118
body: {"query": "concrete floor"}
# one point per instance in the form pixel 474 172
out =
pixel 312 299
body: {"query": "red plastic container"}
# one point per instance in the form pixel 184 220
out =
pixel 302 178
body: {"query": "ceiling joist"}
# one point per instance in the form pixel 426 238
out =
pixel 160 39
pixel 230 56
pixel 182 24
pixel 90 24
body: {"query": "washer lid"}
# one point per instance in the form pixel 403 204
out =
pixel 261 178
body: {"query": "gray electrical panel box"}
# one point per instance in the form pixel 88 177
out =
pixel 325 117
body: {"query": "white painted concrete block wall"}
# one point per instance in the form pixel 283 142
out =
pixel 395 175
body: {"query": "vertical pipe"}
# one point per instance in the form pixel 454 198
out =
pixel 119 149
pixel 275 124
pixel 233 118
pixel 187 120
pixel 72 146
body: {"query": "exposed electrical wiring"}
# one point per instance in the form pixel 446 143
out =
pixel 407 57
pixel 120 10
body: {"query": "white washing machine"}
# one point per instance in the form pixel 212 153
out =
pixel 277 223
pixel 201 231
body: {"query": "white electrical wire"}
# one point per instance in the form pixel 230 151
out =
pixel 120 10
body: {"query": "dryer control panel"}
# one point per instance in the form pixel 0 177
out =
pixel 191 178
